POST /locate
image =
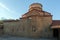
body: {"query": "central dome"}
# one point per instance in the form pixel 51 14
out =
pixel 36 5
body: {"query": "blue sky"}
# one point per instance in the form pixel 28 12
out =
pixel 14 9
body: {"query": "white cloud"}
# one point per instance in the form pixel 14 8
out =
pixel 5 7
pixel 2 5
pixel 6 12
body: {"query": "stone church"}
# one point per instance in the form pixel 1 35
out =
pixel 35 23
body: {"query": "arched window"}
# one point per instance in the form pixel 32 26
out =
pixel 34 29
pixel 1 27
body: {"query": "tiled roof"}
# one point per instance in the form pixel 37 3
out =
pixel 34 10
pixel 55 22
pixel 10 20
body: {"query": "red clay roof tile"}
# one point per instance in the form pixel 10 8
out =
pixel 55 22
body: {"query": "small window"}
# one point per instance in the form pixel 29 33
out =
pixel 1 27
pixel 30 18
pixel 33 28
pixel 12 29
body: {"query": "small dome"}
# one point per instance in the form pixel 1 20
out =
pixel 36 5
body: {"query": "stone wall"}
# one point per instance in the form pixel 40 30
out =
pixel 42 25
pixel 18 28
pixel 10 27
pixel 33 26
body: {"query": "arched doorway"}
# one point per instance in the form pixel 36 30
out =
pixel 55 33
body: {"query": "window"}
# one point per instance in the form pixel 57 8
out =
pixel 30 18
pixel 33 28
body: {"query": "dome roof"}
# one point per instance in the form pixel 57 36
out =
pixel 36 5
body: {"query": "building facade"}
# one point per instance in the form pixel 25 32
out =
pixel 36 23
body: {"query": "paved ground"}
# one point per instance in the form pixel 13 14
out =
pixel 21 38
pixel 14 38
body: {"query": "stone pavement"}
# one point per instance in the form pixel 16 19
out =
pixel 21 38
